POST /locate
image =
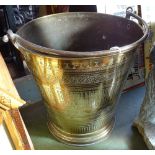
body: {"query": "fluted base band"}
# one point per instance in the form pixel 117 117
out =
pixel 81 139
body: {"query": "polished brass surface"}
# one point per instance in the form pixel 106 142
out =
pixel 82 77
pixel 82 139
pixel 80 95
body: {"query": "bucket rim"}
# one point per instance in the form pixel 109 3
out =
pixel 50 52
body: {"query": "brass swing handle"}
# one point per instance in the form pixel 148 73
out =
pixel 129 13
pixel 18 41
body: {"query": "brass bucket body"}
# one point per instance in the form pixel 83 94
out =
pixel 79 82
pixel 80 95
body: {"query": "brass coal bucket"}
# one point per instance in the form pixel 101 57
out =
pixel 80 62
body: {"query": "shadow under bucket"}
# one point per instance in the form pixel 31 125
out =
pixel 80 62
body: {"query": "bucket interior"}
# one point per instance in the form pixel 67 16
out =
pixel 81 31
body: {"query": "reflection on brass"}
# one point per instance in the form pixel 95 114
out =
pixel 80 95
pixel 79 77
